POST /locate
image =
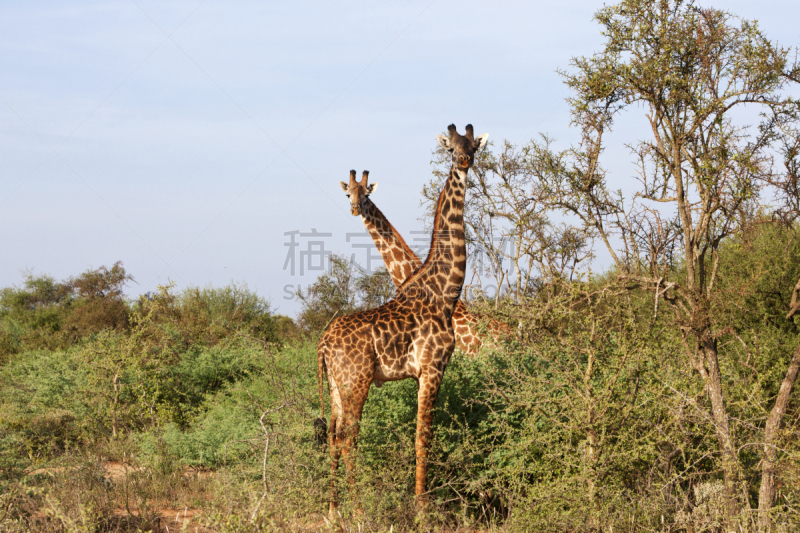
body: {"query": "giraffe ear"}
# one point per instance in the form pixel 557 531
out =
pixel 444 142
pixel 343 185
pixel 481 141
pixel 371 187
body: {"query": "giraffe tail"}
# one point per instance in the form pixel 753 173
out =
pixel 321 424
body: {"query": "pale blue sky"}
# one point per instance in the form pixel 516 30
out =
pixel 189 136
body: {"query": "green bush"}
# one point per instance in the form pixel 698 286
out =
pixel 589 419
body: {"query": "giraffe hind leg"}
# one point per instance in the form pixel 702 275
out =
pixel 353 400
pixel 334 445
pixel 349 389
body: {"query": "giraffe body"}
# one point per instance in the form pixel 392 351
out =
pixel 411 336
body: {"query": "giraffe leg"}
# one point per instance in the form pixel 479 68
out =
pixel 336 452
pixel 353 408
pixel 335 445
pixel 429 384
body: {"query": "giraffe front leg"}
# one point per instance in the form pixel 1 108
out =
pixel 335 445
pixel 429 385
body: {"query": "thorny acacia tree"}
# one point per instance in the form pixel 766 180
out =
pixel 700 171
pixel 510 239
pixel 587 356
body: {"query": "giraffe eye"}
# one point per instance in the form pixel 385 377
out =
pixel 347 195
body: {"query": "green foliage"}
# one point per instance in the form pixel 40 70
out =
pixel 233 307
pixel 117 383
pixel 203 316
pixel 287 329
pixel 99 302
pixel 32 316
pixel 45 313
pixel 226 425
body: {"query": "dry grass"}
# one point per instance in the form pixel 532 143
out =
pixel 106 496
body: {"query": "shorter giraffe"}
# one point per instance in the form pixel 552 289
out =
pixel 401 262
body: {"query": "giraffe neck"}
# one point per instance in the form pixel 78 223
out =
pixel 442 274
pixel 398 257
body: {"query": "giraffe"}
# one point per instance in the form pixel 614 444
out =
pixel 411 336
pixel 401 262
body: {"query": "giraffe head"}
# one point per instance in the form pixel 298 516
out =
pixel 358 191
pixel 462 147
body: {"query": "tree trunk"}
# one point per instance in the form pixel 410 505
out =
pixel 517 270
pixel 766 494
pixel 591 480
pixel 730 467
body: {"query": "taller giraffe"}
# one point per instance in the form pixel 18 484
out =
pixel 401 262
pixel 409 337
